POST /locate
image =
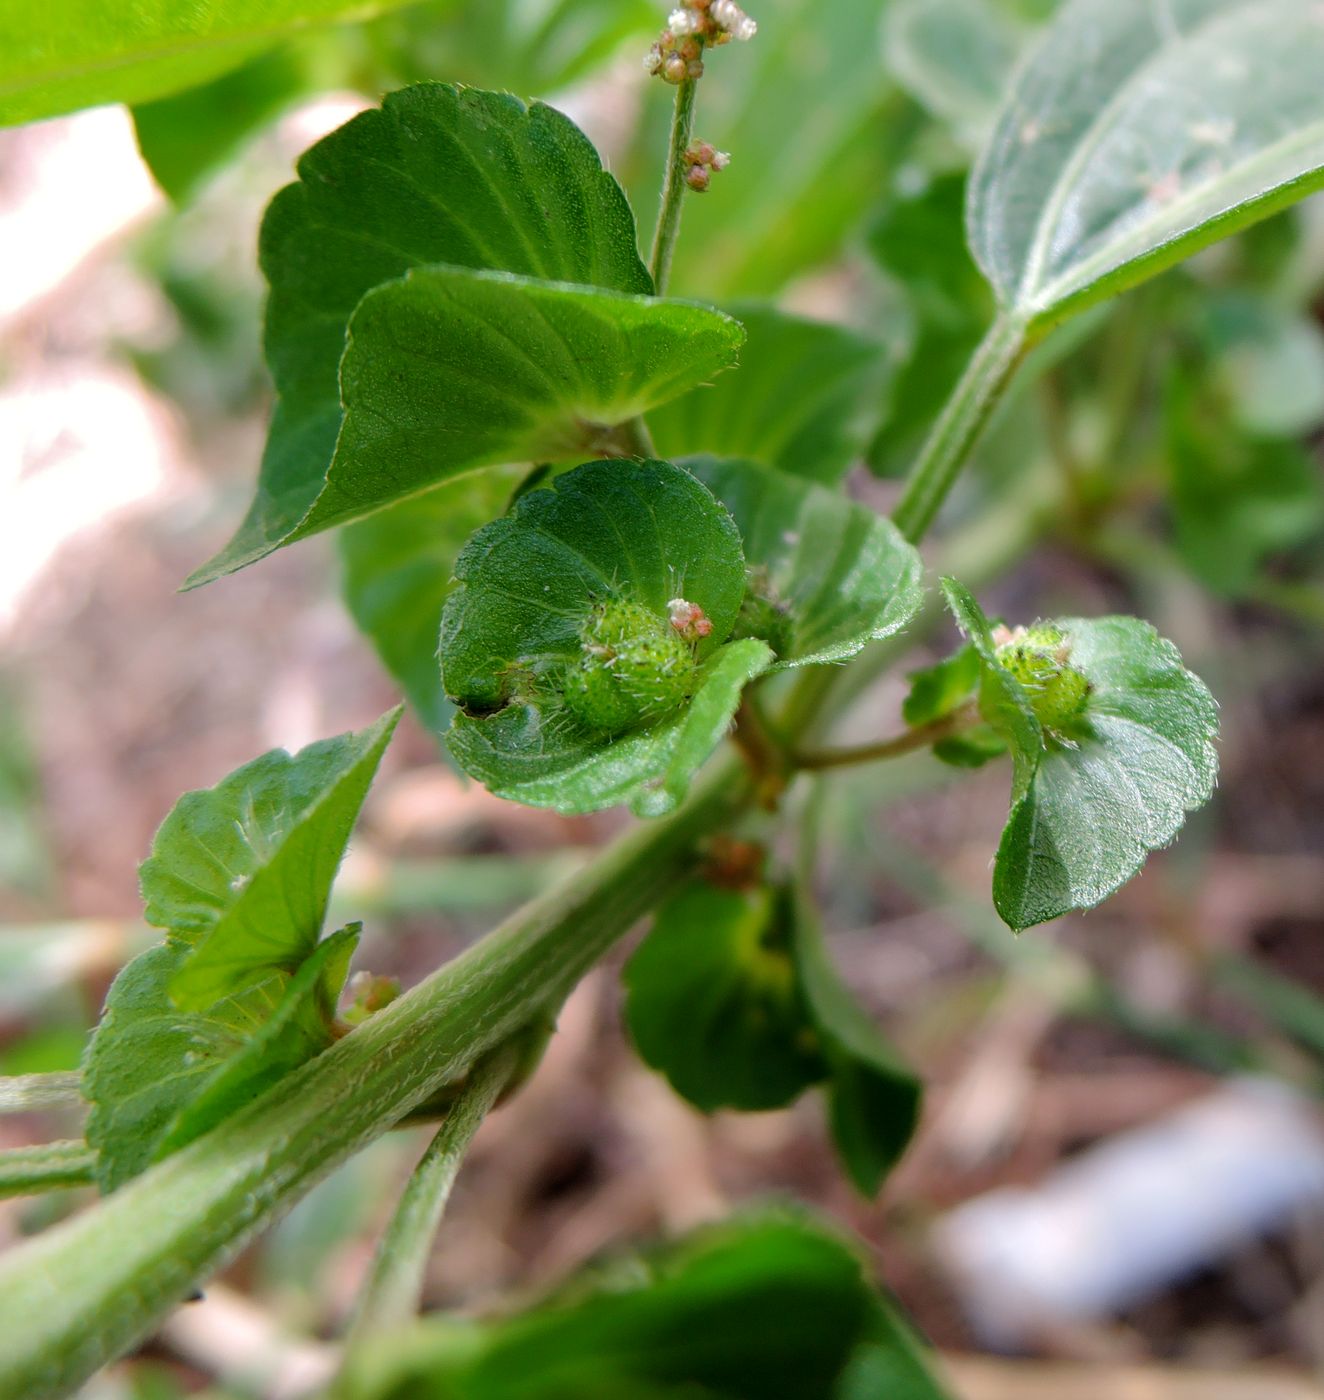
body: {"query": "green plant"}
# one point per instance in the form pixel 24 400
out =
pixel 456 287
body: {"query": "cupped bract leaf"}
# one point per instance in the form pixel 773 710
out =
pixel 396 572
pixel 827 576
pixel 806 399
pixel 1139 131
pixel 158 1076
pixel 768 1307
pixel 714 1001
pixel 440 174
pixel 241 873
pixel 612 544
pixel 1096 790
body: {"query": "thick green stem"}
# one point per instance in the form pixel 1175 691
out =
pixel 673 186
pixel 958 429
pixel 395 1286
pixel 27 1171
pixel 96 1285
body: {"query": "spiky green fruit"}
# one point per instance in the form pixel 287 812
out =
pixel 633 668
pixel 1039 657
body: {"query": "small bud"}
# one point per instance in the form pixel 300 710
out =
pixel 653 61
pixel 689 619
pixel 694 69
pixel 701 153
pixel 675 69
pixel 684 21
pixel 728 16
pixel 720 160
pixel 697 178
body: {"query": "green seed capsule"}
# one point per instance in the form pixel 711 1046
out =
pixel 1039 658
pixel 634 668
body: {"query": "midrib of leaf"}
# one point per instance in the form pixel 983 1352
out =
pixel 1098 129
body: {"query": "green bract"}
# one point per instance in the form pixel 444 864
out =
pixel 576 584
pixel 1107 773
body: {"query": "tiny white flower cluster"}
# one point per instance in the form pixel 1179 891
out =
pixel 677 55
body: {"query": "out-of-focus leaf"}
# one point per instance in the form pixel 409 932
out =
pixel 806 398
pixel 439 174
pixel 1268 363
pixel 1140 131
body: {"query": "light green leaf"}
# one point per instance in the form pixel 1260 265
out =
pixel 439 174
pixel 448 370
pixel 835 574
pixel 185 137
pixel 714 1001
pixel 241 872
pixel 1099 787
pixel 806 399
pixel 83 53
pixel 873 1098
pixel 158 1076
pixel 397 568
pixel 1140 131
pixel 560 714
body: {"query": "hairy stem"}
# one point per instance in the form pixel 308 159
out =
pixel 918 738
pixel 395 1286
pixel 673 186
pixel 96 1285
pixel 22 1093
pixel 958 429
pixel 26 1171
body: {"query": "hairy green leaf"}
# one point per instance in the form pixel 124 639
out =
pixel 159 1076
pixel 1101 782
pixel 397 568
pixel 1140 131
pixel 83 53
pixel 873 1098
pixel 554 715
pixel 806 399
pixel 826 576
pixel 770 1307
pixel 241 873
pixel 714 1000
pixel 440 174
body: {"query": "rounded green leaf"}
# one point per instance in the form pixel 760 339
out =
pixel 1139 131
pixel 612 544
pixel 827 576
pixel 714 1001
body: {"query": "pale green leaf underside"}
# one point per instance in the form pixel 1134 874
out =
pixel 82 53
pixel 440 174
pixel 846 574
pixel 1139 131
pixel 1094 811
pixel 807 398
pixel 448 370
pixel 242 872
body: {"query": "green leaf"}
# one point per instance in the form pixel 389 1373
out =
pixel 1095 791
pixel 83 53
pixel 397 568
pixel 714 1001
pixel 158 1076
pixel 806 399
pixel 1140 131
pixel 184 138
pixel 1268 364
pixel 241 873
pixel 439 174
pixel 939 689
pixel 448 370
pixel 873 1098
pixel 837 575
pixel 607 540
pixel 765 1308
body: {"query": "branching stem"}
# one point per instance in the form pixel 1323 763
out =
pixel 815 760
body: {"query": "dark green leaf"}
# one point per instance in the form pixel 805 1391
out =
pixel 1140 131
pixel 241 872
pixel 605 539
pixel 806 398
pixel 827 576
pixel 158 1076
pixel 873 1099
pixel 397 572
pixel 439 175
pixel 714 1001
pixel 939 689
pixel 185 137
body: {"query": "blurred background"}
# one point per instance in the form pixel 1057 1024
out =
pixel 1118 1188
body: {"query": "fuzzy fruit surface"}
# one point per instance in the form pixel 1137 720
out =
pixel 1039 658
pixel 633 668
